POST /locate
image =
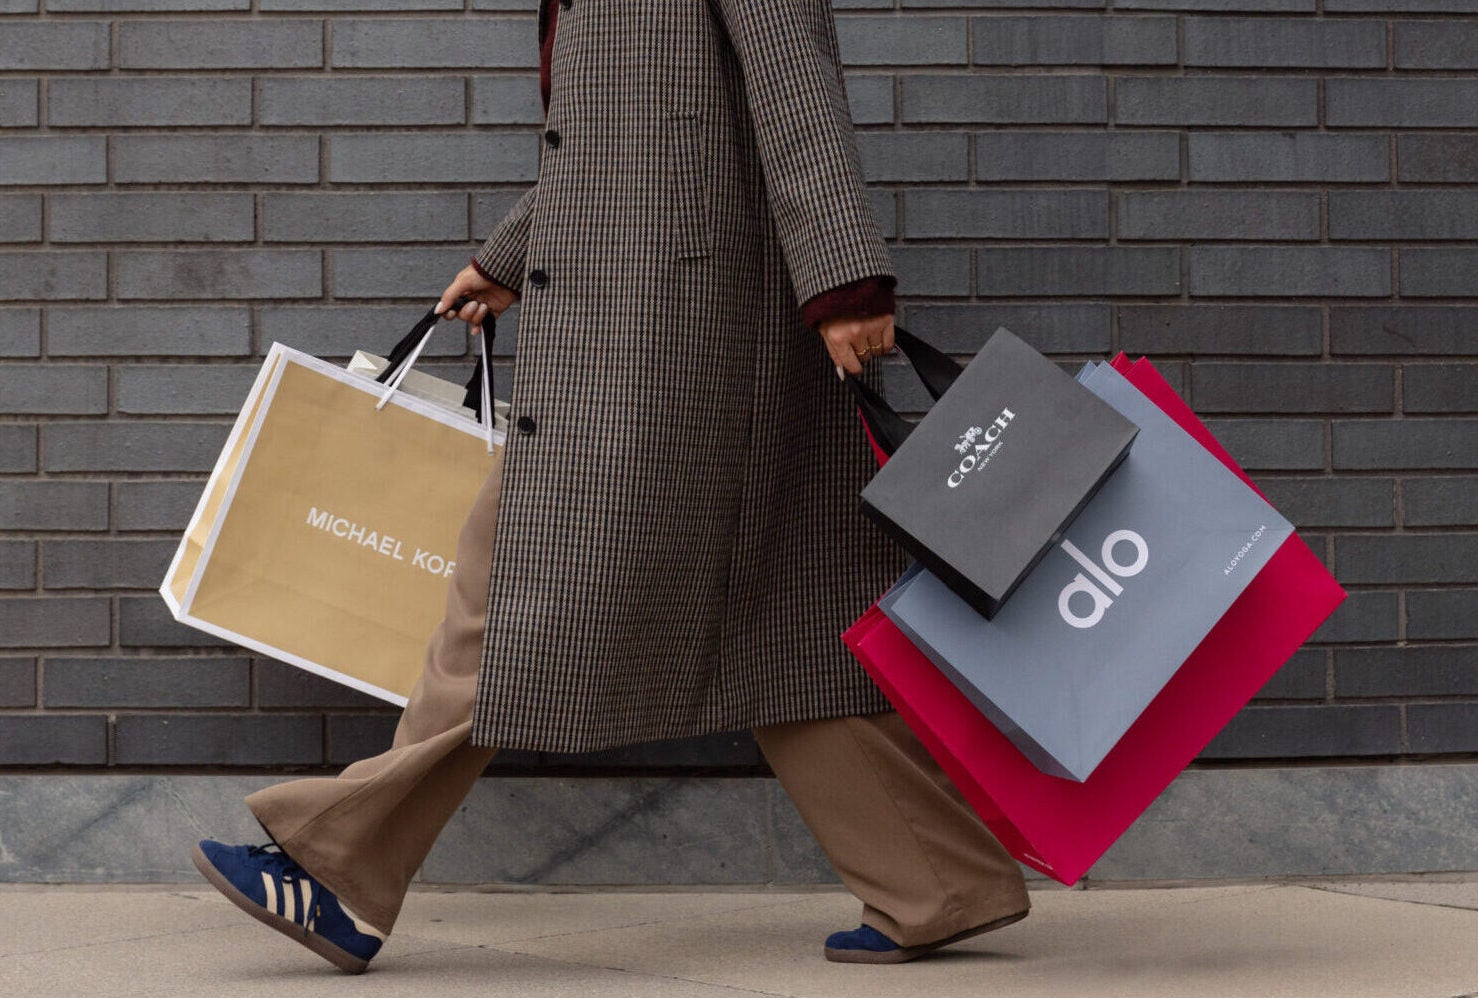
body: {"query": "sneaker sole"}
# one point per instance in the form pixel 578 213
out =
pixel 336 955
pixel 905 953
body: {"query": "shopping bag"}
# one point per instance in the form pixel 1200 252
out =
pixel 326 533
pixel 1152 562
pixel 1061 827
pixel 984 484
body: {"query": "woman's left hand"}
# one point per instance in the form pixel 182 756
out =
pixel 851 340
pixel 485 295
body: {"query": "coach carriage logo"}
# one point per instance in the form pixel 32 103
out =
pixel 979 444
pixel 967 438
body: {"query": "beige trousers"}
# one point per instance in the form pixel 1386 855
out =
pixel 900 836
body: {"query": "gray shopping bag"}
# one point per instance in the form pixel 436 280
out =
pixel 1107 617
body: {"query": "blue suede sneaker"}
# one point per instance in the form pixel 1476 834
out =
pixel 269 885
pixel 865 944
pixel 845 947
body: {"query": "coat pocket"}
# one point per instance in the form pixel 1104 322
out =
pixel 686 183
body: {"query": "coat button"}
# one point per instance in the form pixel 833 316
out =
pixel 565 3
pixel 551 136
pixel 538 278
pixel 525 425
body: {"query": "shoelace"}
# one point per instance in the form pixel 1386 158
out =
pixel 288 871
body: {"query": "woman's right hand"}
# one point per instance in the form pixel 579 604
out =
pixel 486 296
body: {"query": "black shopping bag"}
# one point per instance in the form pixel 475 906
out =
pixel 982 487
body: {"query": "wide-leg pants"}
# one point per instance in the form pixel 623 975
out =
pixel 900 836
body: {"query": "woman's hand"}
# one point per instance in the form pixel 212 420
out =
pixel 853 339
pixel 486 296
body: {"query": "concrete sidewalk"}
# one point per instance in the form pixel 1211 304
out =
pixel 1332 939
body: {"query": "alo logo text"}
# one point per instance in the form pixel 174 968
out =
pixel 1101 600
pixel 975 456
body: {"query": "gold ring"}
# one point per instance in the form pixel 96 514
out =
pixel 864 351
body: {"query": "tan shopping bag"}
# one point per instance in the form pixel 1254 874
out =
pixel 326 532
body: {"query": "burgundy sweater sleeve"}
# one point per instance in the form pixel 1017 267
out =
pixel 485 275
pixel 546 51
pixel 860 298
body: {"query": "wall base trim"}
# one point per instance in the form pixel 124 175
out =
pixel 1210 824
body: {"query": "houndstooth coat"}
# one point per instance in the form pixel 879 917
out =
pixel 678 545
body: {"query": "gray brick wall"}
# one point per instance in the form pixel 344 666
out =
pixel 1276 200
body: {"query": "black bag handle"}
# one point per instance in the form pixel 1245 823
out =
pixel 403 349
pixel 473 398
pixel 935 368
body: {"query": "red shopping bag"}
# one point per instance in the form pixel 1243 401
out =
pixel 1059 826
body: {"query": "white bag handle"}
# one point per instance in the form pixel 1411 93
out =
pixel 400 363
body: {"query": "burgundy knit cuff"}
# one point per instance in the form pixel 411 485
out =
pixel 485 275
pixel 860 298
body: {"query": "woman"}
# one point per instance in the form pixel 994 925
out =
pixel 677 542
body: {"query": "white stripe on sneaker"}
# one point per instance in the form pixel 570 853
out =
pixel 290 901
pixel 360 925
pixel 270 889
